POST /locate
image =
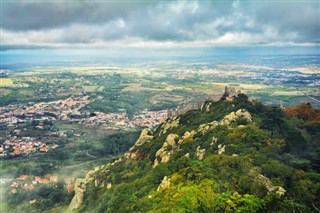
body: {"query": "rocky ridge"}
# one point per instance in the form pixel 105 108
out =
pixel 181 158
pixel 169 147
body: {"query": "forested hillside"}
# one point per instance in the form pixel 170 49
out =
pixel 228 156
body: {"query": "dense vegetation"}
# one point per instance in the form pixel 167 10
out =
pixel 64 161
pixel 305 112
pixel 272 152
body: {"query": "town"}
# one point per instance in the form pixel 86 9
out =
pixel 17 120
pixel 27 182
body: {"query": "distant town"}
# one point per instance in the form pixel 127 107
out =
pixel 27 182
pixel 16 119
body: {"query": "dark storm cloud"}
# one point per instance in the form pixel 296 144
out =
pixel 189 23
pixel 27 15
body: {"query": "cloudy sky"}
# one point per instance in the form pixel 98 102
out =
pixel 150 24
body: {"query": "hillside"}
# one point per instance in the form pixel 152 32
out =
pixel 228 156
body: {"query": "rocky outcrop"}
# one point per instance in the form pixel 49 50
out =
pixel 205 127
pixel 200 153
pixel 269 185
pixel 206 106
pixel 242 113
pixel 171 140
pixel 165 183
pixel 227 120
pixel 233 116
pixel 187 137
pixel 221 149
pixel 167 149
pixel 145 137
pixel 167 125
pixel 79 188
pixel 137 155
pixel 266 182
pixel 90 177
pixel 213 141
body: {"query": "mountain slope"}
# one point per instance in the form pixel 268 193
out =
pixel 228 156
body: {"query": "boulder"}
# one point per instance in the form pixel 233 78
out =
pixel 186 135
pixel 171 140
pixel 200 153
pixel 155 163
pixel 280 191
pixel 166 157
pixel 165 183
pixel 109 185
pixel 187 156
pixel 145 136
pixel 239 112
pixel 167 149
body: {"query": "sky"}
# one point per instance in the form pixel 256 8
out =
pixel 28 26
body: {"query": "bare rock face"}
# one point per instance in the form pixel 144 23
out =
pixel 200 153
pixel 165 183
pixel 90 177
pixel 145 136
pixel 167 149
pixel 266 182
pixel 79 188
pixel 171 123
